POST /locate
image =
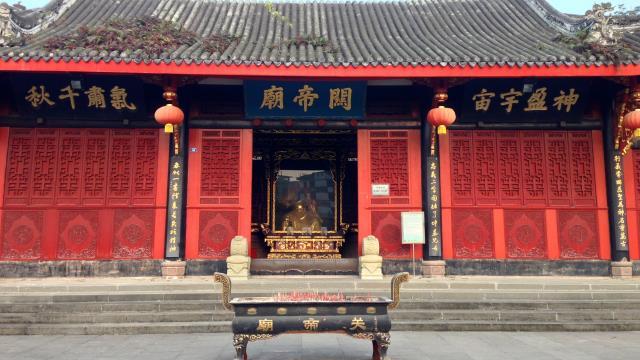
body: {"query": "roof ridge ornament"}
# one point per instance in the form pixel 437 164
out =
pixel 18 22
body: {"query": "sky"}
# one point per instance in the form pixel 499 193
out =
pixel 567 6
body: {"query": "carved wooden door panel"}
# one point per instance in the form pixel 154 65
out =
pixel 83 194
pixel 389 157
pixel 218 191
pixel 524 195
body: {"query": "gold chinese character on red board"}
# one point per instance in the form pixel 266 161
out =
pixel 538 100
pixel 273 98
pixel 566 100
pixel 483 100
pixel 306 97
pixel 95 95
pixel 119 99
pixel 38 95
pixel 340 97
pixel 510 98
pixel 68 93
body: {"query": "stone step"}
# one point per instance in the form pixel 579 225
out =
pixel 117 328
pixel 115 317
pixel 462 295
pixel 399 315
pixel 225 327
pixel 351 285
pixel 518 315
pixel 216 305
pixel 603 325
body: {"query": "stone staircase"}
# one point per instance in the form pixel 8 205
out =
pixel 98 306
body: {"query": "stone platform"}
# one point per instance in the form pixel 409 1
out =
pixel 148 305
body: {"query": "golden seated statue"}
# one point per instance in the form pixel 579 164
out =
pixel 302 218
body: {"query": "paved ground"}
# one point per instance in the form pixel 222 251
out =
pixel 404 346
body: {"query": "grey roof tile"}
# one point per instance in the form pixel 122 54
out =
pixel 474 33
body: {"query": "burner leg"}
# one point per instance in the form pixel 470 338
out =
pixel 240 344
pixel 382 340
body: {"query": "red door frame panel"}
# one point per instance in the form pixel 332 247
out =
pixel 365 206
pixel 194 205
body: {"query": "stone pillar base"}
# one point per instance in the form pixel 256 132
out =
pixel 433 268
pixel 621 269
pixel 173 269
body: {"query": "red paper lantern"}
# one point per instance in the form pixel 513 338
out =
pixel 441 117
pixel 632 122
pixel 169 116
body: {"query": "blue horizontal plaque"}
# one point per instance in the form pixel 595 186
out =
pixel 304 99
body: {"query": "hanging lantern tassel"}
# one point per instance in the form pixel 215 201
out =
pixel 168 128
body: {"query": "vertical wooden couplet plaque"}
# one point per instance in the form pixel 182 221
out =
pixel 432 205
pixel 175 201
pixel 391 160
pixel 219 196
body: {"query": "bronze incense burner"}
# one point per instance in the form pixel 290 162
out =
pixel 362 317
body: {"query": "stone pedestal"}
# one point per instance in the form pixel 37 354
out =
pixel 621 269
pixel 173 269
pixel 433 268
pixel 370 263
pixel 239 263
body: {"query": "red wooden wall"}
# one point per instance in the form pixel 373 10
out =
pixel 388 157
pixel 83 194
pixel 218 191
pixel 631 163
pixel 524 195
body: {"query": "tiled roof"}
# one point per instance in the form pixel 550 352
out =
pixel 409 33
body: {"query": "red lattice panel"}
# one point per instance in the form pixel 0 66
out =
pixel 95 167
pixel 45 164
pixel 389 161
pixel 217 228
pixel 22 235
pixel 485 167
pixel 578 234
pixel 522 168
pixel 386 227
pixel 220 167
pixel 525 234
pixel 473 233
pixel 583 185
pixel 19 165
pixel 558 179
pixel 461 153
pixel 533 168
pixel 509 170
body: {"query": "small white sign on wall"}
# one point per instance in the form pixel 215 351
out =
pixel 380 189
pixel 412 227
